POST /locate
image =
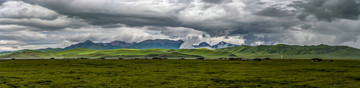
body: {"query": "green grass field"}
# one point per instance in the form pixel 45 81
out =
pixel 178 73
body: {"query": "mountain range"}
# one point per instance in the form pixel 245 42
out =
pixel 171 48
pixel 280 51
pixel 147 44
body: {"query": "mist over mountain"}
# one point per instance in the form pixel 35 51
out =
pixel 216 46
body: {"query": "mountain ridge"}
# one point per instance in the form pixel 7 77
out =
pixel 280 51
pixel 147 44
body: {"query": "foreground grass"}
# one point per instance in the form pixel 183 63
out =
pixel 179 73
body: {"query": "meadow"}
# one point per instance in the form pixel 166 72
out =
pixel 65 73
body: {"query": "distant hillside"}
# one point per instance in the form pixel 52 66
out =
pixel 5 52
pixel 262 51
pixel 147 44
pixel 205 52
pixel 294 51
pixel 115 53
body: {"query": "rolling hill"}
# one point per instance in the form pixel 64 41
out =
pixel 147 44
pixel 280 51
pixel 294 51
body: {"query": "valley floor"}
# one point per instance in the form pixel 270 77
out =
pixel 179 73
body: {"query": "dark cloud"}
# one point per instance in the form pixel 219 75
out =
pixel 102 19
pixel 329 10
pixel 24 14
pixel 268 22
pixel 274 12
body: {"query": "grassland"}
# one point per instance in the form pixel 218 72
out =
pixel 67 73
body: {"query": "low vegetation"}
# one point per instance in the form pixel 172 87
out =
pixel 67 73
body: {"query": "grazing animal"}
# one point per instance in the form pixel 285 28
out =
pixel 316 59
pixel 182 58
pixel 12 58
pixel 232 58
pixel 83 58
pixel 331 60
pixel 159 58
pixel 201 58
pixel 52 58
pixel 156 58
pixel 102 58
pixel 235 58
pixel 257 59
pixel 267 58
pixel 120 58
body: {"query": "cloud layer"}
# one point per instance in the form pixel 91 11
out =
pixel 32 24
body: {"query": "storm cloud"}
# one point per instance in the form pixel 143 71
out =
pixel 57 23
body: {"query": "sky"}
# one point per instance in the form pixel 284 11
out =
pixel 35 24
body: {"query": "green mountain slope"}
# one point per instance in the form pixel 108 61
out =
pixel 205 52
pixel 5 53
pixel 116 53
pixel 262 51
pixel 294 51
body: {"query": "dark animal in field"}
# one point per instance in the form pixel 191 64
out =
pixel 267 58
pixel 12 58
pixel 316 59
pixel 235 58
pixel 331 60
pixel 257 59
pixel 82 58
pixel 102 58
pixel 52 58
pixel 159 58
pixel 223 58
pixel 120 58
pixel 201 58
pixel 182 58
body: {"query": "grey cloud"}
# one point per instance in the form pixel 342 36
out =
pixel 330 10
pixel 102 19
pixel 24 14
pixel 219 25
pixel 217 1
pixel 267 21
pixel 274 12
pixel 19 10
